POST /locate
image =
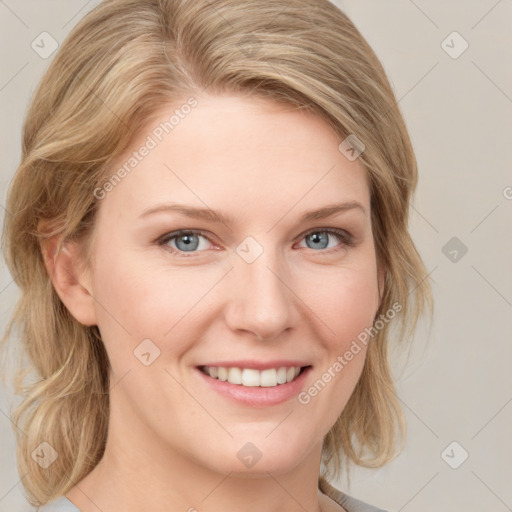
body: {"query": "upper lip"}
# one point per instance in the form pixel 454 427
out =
pixel 257 365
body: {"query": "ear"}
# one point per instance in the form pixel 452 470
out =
pixel 72 285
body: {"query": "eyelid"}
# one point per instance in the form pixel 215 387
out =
pixel 167 237
pixel 346 238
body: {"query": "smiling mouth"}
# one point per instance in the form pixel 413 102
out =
pixel 250 377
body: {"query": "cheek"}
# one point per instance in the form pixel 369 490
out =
pixel 135 301
pixel 346 302
pixel 346 306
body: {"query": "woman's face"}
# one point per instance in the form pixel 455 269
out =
pixel 248 298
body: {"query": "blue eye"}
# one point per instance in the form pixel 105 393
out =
pixel 185 241
pixel 320 238
pixel 189 241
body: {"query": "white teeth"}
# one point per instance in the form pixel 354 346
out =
pixel 281 375
pixel 268 378
pixel 252 378
pixel 235 376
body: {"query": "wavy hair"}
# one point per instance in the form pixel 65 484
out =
pixel 114 71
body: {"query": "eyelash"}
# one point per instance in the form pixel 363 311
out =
pixel 344 236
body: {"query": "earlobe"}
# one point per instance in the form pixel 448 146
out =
pixel 71 285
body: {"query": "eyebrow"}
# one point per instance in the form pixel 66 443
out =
pixel 219 217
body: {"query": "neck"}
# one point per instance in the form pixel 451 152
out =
pixel 136 473
pixel 121 484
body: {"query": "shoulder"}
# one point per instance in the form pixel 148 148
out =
pixel 61 504
pixel 347 502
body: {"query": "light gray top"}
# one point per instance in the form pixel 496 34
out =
pixel 61 504
pixel 350 504
pixel 347 502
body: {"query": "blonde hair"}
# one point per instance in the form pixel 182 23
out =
pixel 117 68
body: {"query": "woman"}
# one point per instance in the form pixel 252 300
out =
pixel 209 230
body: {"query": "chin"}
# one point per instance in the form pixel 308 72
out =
pixel 258 458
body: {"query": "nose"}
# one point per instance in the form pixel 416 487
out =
pixel 262 298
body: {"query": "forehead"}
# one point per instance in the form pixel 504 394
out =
pixel 234 153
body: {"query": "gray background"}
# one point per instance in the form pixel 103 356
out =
pixel 456 384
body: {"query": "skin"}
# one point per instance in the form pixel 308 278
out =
pixel 173 441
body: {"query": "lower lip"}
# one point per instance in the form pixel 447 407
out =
pixel 257 395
